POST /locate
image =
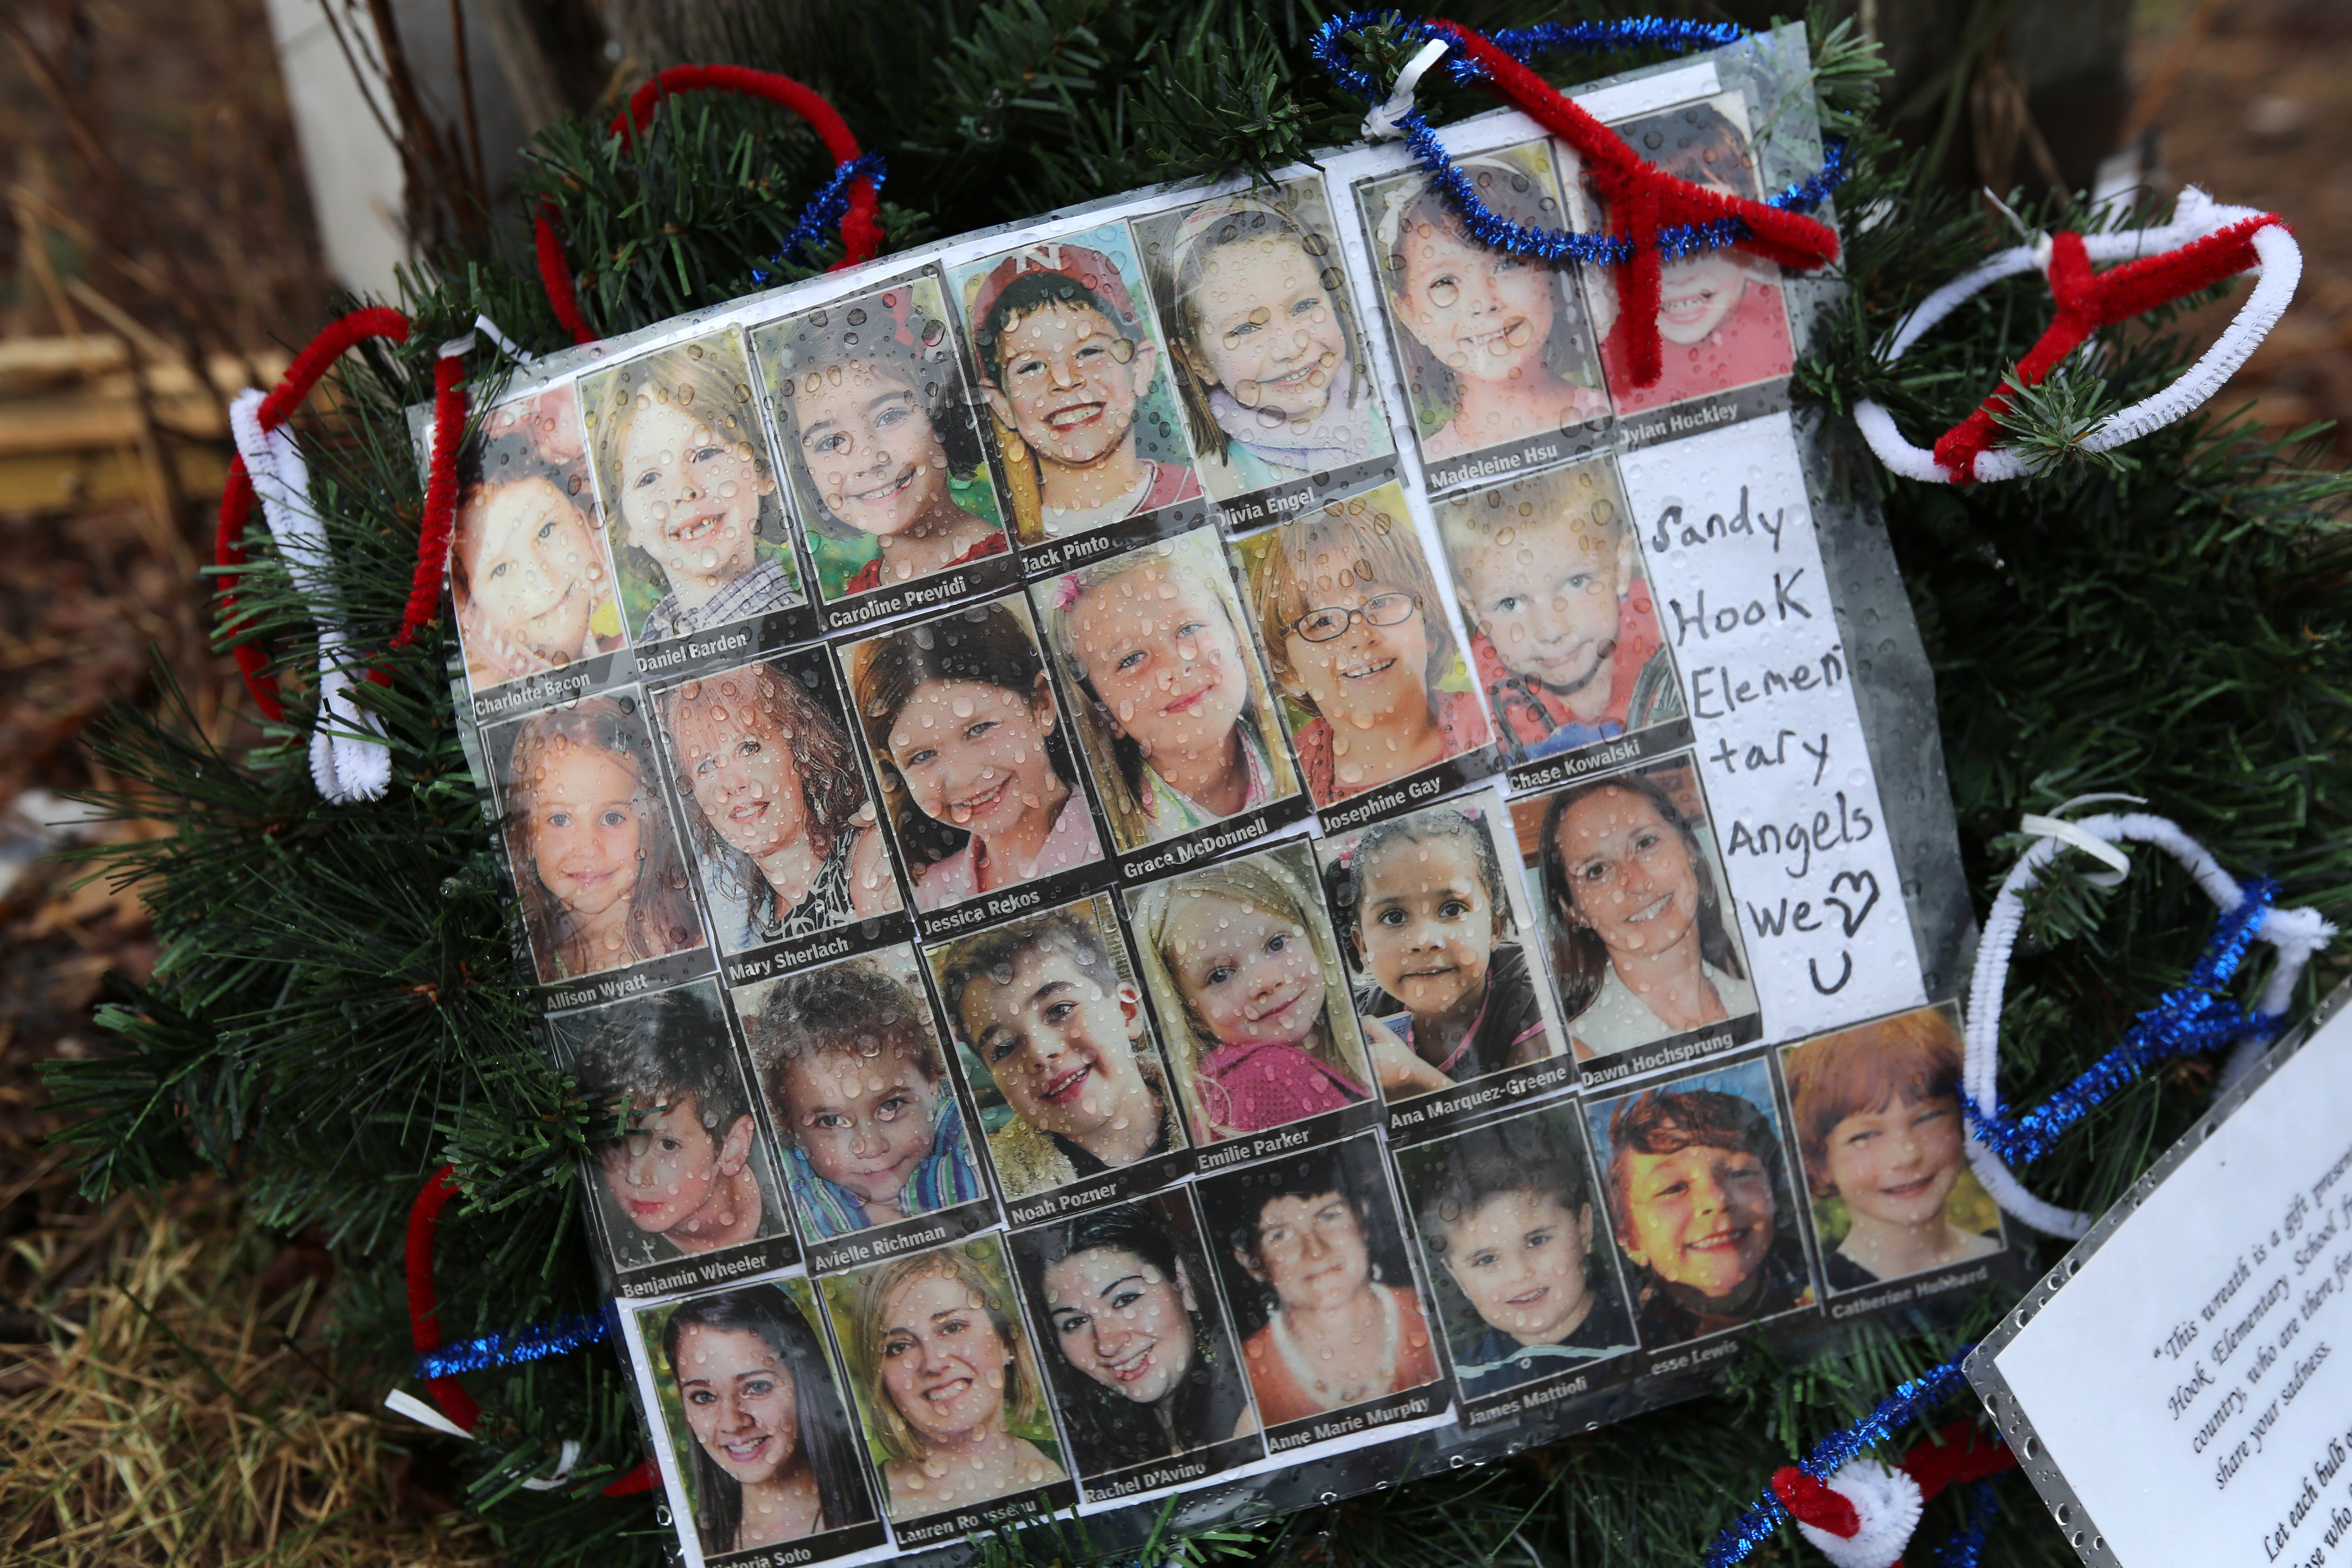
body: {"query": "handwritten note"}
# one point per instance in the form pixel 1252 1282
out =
pixel 1735 571
pixel 2193 1381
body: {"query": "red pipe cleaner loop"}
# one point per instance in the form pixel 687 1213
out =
pixel 425 1314
pixel 440 506
pixel 1816 1503
pixel 861 226
pixel 2087 301
pixel 424 1311
pixel 555 273
pixel 1642 199
pixel 293 388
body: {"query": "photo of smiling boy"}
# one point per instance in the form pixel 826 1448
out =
pixel 527 564
pixel 1262 338
pixel 1699 1203
pixel 1348 617
pixel 1174 713
pixel 968 738
pixel 1055 1035
pixel 1564 635
pixel 1432 925
pixel 1071 372
pixel 680 1166
pixel 1720 312
pixel 868 1125
pixel 1877 1112
pixel 689 492
pixel 881 440
pixel 1508 1223
pixel 1496 351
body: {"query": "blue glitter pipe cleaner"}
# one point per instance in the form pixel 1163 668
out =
pixel 535 1342
pixel 825 210
pixel 1911 1398
pixel 1977 1510
pixel 2193 1019
pixel 1527 43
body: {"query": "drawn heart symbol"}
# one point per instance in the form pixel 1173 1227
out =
pixel 1853 917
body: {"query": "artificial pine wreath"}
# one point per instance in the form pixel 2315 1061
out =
pixel 337 1012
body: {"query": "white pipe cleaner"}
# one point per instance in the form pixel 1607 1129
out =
pixel 348 758
pixel 2297 933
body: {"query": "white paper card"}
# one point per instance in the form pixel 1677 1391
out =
pixel 2192 1383
pixel 1744 603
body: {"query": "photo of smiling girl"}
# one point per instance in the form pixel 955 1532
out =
pixel 1698 1200
pixel 947 1386
pixel 1057 1049
pixel 1268 361
pixel 1643 950
pixel 881 440
pixel 1246 977
pixel 1349 618
pixel 1173 712
pixel 968 738
pixel 1496 352
pixel 757 1422
pixel 1432 925
pixel 688 490
pixel 1877 1112
pixel 1142 1362
pixel 782 826
pixel 527 564
pixel 1720 312
pixel 1069 364
pixel 596 860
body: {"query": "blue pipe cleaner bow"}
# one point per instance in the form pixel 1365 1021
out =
pixel 1528 44
pixel 825 210
pixel 536 1341
pixel 2195 1017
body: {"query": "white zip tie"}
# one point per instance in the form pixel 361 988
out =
pixel 506 345
pixel 348 758
pixel 2297 933
pixel 2196 216
pixel 403 1403
pixel 1381 123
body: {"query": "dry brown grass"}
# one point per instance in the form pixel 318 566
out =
pixel 178 1412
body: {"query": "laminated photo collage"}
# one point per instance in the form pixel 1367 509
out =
pixel 1153 834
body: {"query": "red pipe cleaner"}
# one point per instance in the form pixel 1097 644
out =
pixel 861 226
pixel 1642 199
pixel 2087 301
pixel 1956 1454
pixel 424 1320
pixel 440 505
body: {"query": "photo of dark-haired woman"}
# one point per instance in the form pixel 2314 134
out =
pixel 970 742
pixel 768 1449
pixel 1313 1258
pixel 881 440
pixel 1643 948
pixel 1142 1362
